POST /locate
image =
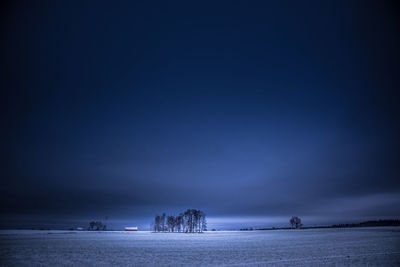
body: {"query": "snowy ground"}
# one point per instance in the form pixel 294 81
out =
pixel 339 247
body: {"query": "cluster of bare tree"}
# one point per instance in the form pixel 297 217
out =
pixel 97 226
pixel 191 221
pixel 296 222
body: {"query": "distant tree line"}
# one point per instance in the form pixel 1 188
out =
pixel 191 221
pixel 296 224
pixel 368 224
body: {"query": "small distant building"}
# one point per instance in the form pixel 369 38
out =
pixel 131 228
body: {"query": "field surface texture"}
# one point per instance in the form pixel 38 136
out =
pixel 379 246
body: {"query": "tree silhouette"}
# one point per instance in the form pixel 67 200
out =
pixel 97 226
pixel 191 221
pixel 295 222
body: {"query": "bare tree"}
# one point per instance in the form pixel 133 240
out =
pixel 188 221
pixel 296 222
pixel 170 223
pixel 179 222
pixel 203 222
pixel 196 224
pixel 163 226
pixel 157 223
pixel 195 217
pixel 91 225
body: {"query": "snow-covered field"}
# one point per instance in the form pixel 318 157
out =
pixel 339 247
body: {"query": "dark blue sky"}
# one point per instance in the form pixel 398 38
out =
pixel 251 111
